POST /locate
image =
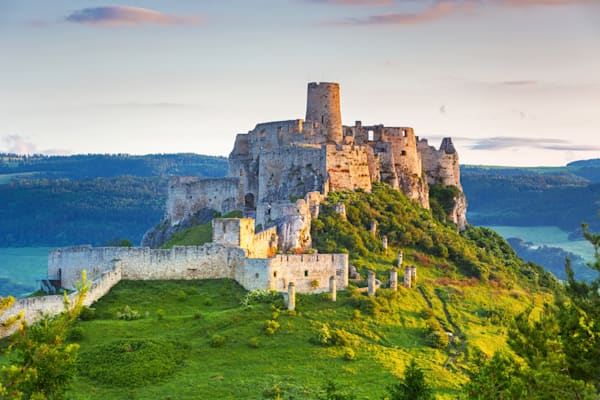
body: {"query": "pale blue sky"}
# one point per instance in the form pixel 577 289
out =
pixel 514 82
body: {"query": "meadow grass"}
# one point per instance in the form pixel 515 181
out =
pixel 187 318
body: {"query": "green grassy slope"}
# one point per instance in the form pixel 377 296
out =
pixel 216 346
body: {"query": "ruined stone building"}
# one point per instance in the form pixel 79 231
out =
pixel 285 160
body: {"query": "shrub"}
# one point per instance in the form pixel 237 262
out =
pixel 76 333
pixel 254 342
pixel 217 341
pixel 87 313
pixel 128 314
pixel 349 354
pixel 271 326
pixel 340 337
pixel 160 314
pixel 356 314
pixel 437 339
pixel 181 295
pixel 197 315
pixel 323 336
pixel 261 296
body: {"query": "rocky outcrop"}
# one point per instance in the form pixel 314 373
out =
pixel 163 232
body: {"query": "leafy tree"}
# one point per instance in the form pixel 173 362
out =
pixel 40 364
pixel 500 377
pixel 412 386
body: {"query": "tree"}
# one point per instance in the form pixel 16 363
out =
pixel 412 386
pixel 40 362
pixel 497 378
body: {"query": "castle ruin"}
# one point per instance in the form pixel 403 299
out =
pixel 280 161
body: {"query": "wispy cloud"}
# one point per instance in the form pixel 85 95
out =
pixel 127 16
pixel 527 3
pixel 18 144
pixel 520 83
pixel 508 142
pixel 438 9
pixel 353 2
pixel 158 104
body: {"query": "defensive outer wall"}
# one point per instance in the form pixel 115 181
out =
pixel 235 253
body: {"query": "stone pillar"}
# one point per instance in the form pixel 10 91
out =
pixel 384 243
pixel 333 288
pixel 371 284
pixel 413 275
pixel 291 296
pixel 394 279
pixel 374 228
pixel 400 256
pixel 407 276
pixel 340 209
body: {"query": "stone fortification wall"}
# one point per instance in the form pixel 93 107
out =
pixel 293 171
pixel 233 232
pixel 211 261
pixel 34 308
pixel 348 167
pixel 310 272
pixel 265 243
pixel 188 195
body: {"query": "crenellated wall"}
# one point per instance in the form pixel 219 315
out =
pixel 210 261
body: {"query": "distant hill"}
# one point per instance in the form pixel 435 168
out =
pixel 557 196
pixel 89 199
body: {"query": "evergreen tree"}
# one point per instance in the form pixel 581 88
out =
pixel 412 386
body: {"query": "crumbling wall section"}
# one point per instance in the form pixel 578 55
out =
pixel 188 195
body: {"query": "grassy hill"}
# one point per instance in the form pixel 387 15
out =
pixel 211 339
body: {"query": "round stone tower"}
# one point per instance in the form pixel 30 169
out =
pixel 323 106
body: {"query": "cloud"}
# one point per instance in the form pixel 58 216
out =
pixel 127 16
pixel 354 2
pixel 21 145
pixel 527 3
pixel 134 104
pixel 508 142
pixel 439 9
pixel 520 83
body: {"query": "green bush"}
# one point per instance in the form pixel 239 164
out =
pixel 437 339
pixel 128 314
pixel 261 296
pixel 87 313
pixel 160 314
pixel 254 342
pixel 271 326
pixel 349 354
pixel 217 341
pixel 181 295
pixel 76 333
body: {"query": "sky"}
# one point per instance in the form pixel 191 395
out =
pixel 513 82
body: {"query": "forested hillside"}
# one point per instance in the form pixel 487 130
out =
pixel 564 197
pixel 89 199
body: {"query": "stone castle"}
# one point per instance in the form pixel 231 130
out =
pixel 279 161
pixel 279 173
